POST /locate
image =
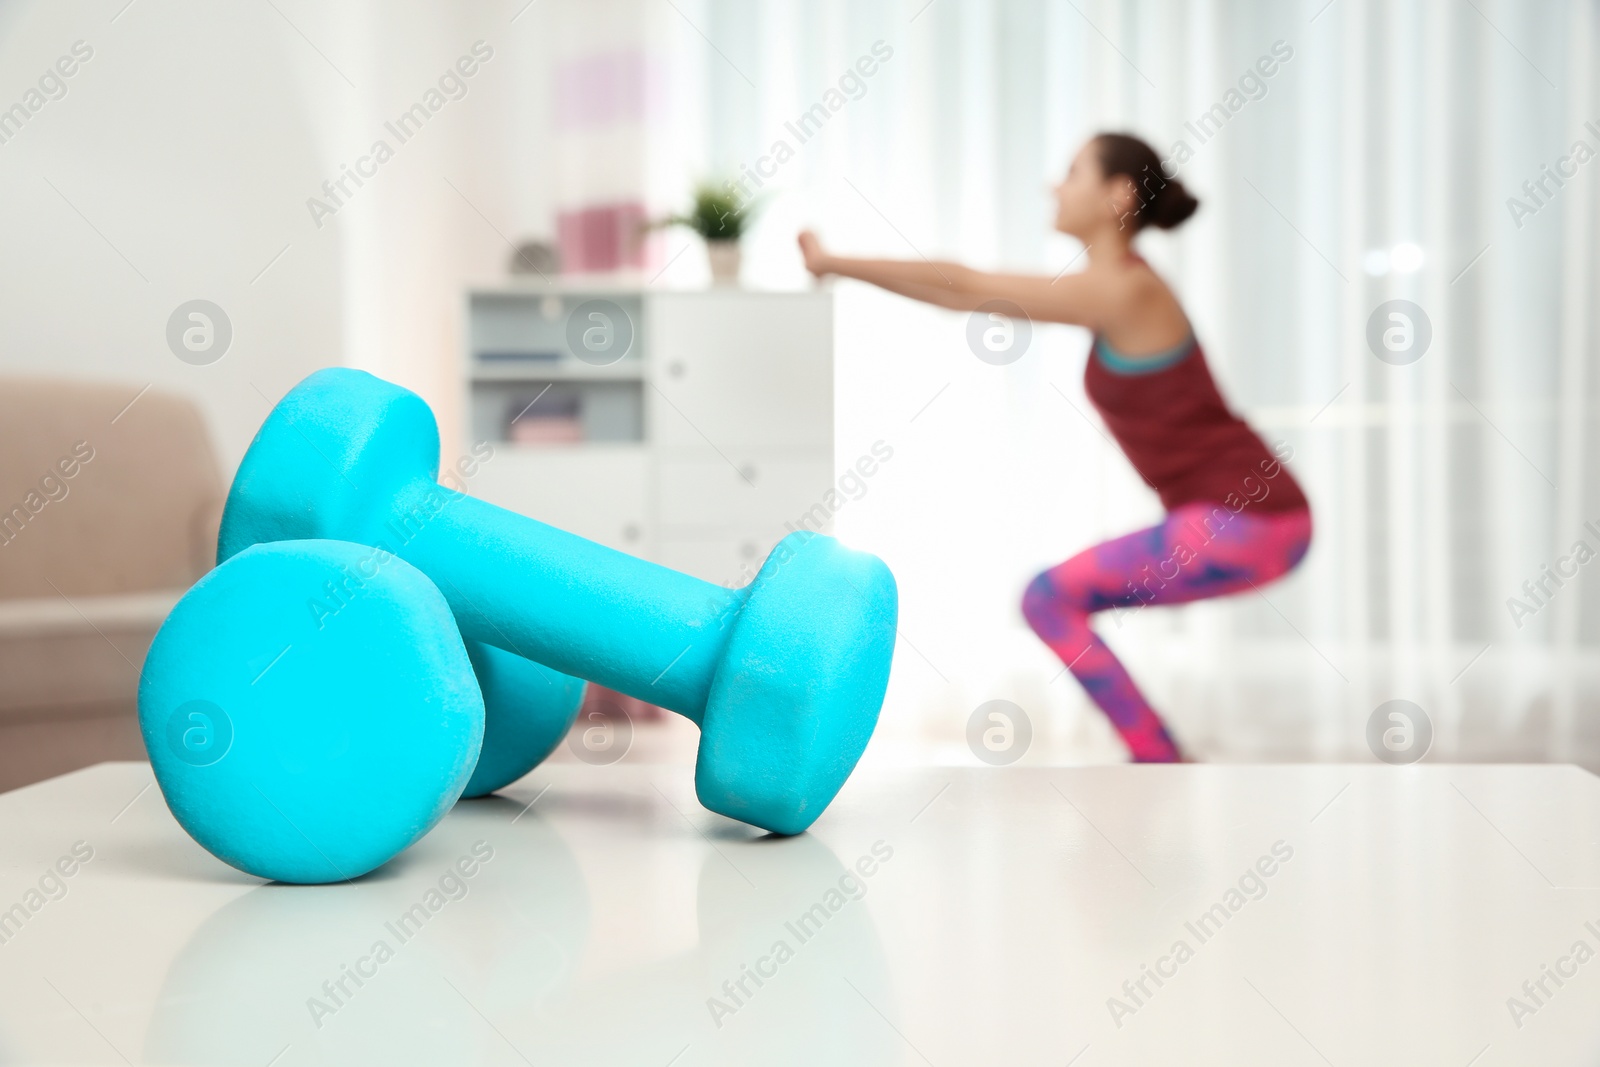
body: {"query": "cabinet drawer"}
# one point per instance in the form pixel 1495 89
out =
pixel 595 491
pixel 730 560
pixel 742 370
pixel 744 491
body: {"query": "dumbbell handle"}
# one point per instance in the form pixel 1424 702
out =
pixel 567 602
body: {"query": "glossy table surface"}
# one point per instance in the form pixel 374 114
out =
pixel 1335 915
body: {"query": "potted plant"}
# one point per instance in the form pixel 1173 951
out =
pixel 720 218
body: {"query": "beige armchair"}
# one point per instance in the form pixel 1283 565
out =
pixel 109 504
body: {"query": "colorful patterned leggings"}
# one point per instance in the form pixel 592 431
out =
pixel 1197 551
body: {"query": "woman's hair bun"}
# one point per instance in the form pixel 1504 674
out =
pixel 1163 200
pixel 1172 206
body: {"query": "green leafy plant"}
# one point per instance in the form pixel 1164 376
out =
pixel 717 214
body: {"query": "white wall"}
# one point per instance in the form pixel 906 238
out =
pixel 191 141
pixel 183 142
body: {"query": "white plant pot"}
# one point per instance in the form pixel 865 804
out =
pixel 725 258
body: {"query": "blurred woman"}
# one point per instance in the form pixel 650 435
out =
pixel 1236 519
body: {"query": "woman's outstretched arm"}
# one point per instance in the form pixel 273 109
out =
pixel 1079 299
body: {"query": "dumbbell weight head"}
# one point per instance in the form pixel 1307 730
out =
pixel 301 746
pixel 785 676
pixel 341 487
pixel 527 707
pixel 797 693
pixel 330 461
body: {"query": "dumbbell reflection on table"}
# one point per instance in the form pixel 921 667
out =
pixel 437 962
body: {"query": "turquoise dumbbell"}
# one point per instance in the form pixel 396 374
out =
pixel 309 749
pixel 305 745
pixel 528 708
pixel 785 677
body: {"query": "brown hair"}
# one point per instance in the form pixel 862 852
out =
pixel 1163 201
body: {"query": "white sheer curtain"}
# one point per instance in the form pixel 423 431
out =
pixel 1393 134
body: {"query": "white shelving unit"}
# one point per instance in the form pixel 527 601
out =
pixel 705 439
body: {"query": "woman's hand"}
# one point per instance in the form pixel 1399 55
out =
pixel 816 259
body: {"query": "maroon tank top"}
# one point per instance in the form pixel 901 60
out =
pixel 1177 431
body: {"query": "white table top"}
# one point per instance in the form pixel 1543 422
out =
pixel 1016 902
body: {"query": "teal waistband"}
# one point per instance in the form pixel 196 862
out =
pixel 1121 364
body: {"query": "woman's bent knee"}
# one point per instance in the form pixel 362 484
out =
pixel 1039 604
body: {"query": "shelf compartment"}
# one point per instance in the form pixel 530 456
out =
pixel 536 411
pixel 533 328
